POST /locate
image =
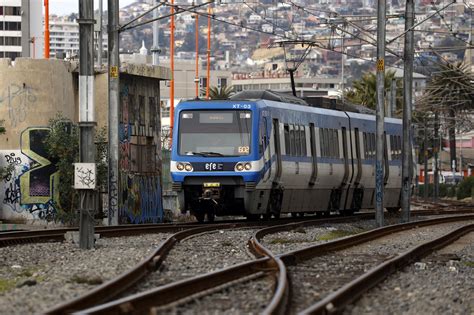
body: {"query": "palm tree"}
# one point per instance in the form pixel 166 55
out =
pixel 364 91
pixel 450 93
pixel 222 93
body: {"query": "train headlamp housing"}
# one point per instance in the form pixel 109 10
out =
pixel 184 167
pixel 243 166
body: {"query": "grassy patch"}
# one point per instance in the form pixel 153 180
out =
pixel 335 234
pixel 85 279
pixel 299 230
pixel 7 284
pixel 468 263
pixel 283 241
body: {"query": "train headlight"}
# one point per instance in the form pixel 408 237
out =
pixel 188 167
pixel 239 167
pixel 248 166
pixel 180 166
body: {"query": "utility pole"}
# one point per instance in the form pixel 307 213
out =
pixel 172 71
pixel 425 161
pixel 393 98
pixel 155 50
pixel 379 171
pixel 407 159
pixel 46 28
pixel 86 117
pixel 114 69
pixel 435 151
pixel 209 12
pixel 342 70
pixel 196 78
pixel 100 35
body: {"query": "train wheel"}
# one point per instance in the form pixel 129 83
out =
pixel 253 217
pixel 211 216
pixel 199 214
pixel 393 210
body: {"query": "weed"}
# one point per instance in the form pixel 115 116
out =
pixel 85 279
pixel 6 285
pixel 468 263
pixel 335 234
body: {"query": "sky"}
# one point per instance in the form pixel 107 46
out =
pixel 62 7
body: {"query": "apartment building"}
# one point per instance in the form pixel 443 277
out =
pixel 64 37
pixel 21 33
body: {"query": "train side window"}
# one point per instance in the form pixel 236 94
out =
pixel 336 142
pixel 326 142
pixel 364 139
pixel 297 140
pixel 303 140
pixel 374 146
pixel 287 139
pixel 292 140
pixel 321 141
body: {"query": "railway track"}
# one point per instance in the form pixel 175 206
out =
pixel 269 264
pixel 58 235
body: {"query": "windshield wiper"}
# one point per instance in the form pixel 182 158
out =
pixel 208 153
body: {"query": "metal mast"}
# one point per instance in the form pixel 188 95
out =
pixel 114 67
pixel 407 158
pixel 86 117
pixel 379 171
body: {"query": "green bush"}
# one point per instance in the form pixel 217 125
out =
pixel 465 188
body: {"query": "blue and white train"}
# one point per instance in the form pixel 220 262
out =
pixel 263 158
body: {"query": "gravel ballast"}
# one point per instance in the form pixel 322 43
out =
pixel 245 297
pixel 442 283
pixel 201 254
pixel 313 279
pixel 36 277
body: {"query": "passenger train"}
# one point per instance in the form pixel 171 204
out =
pixel 262 158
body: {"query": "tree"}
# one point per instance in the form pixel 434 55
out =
pixel 4 171
pixel 364 90
pixel 450 94
pixel 222 93
pixel 62 144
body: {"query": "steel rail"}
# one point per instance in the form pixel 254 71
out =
pixel 292 257
pixel 173 292
pixel 336 301
pixel 120 284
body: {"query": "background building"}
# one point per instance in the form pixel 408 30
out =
pixel 64 38
pixel 21 29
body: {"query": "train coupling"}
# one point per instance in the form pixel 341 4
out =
pixel 211 192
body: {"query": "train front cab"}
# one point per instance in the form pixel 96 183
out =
pixel 215 160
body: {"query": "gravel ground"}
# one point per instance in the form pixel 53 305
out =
pixel 319 276
pixel 35 277
pixel 200 254
pixel 299 238
pixel 442 283
pixel 246 297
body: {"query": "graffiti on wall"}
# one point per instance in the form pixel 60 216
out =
pixel 19 99
pixel 140 198
pixel 32 187
pixel 124 132
pixel 139 181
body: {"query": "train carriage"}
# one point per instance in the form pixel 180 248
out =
pixel 264 157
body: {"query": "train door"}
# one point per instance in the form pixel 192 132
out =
pixel 314 168
pixel 276 137
pixel 357 196
pixel 345 184
pixel 267 149
pixel 276 194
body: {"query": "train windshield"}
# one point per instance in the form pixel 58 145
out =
pixel 215 132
